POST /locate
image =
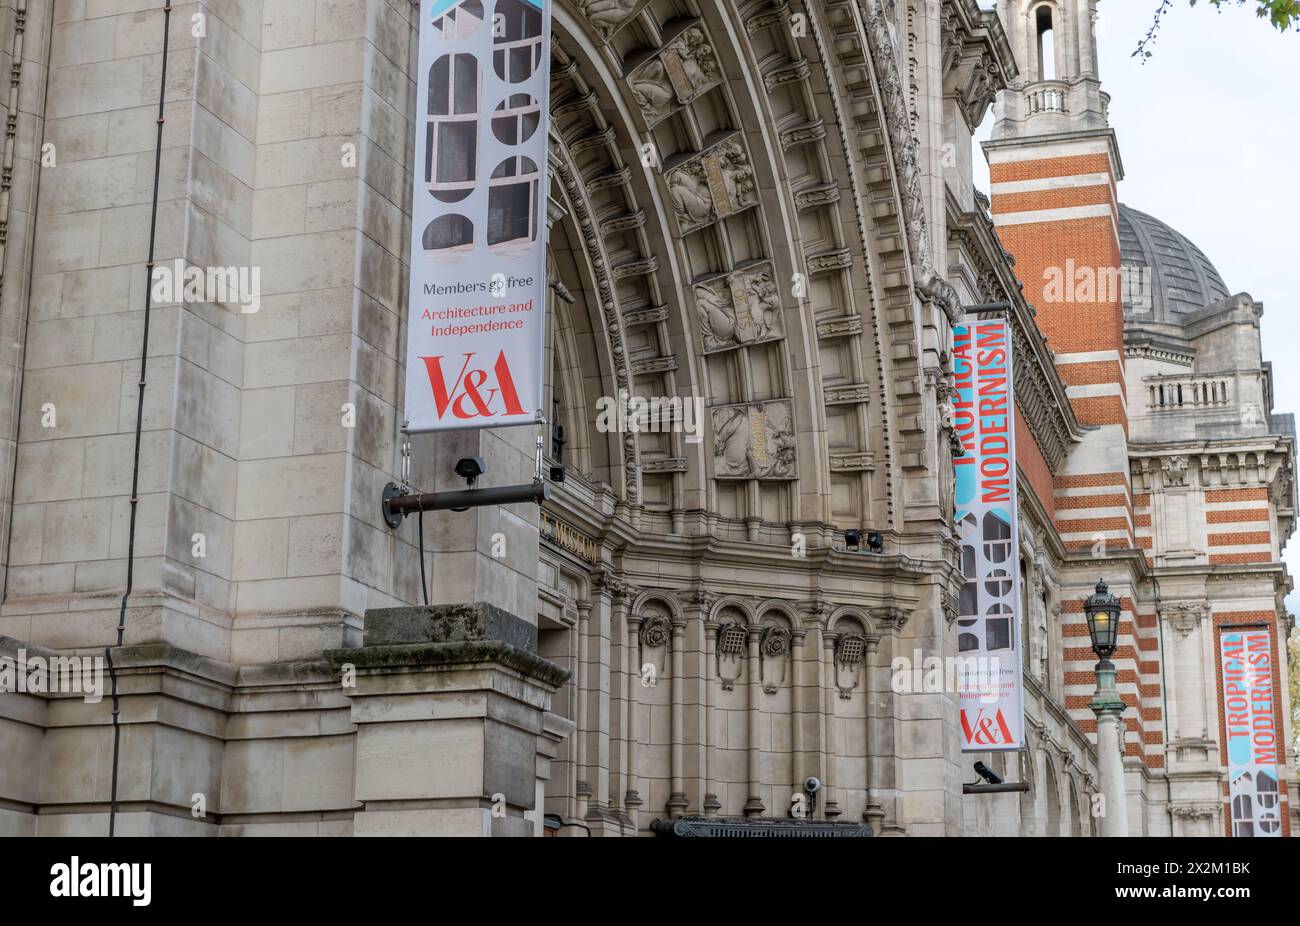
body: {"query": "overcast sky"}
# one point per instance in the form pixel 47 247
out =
pixel 1209 132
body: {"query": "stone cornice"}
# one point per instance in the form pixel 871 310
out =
pixel 1144 346
pixel 1227 463
pixel 977 60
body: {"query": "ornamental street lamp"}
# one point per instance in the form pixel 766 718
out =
pixel 1102 612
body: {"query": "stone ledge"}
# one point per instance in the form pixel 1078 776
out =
pixel 449 656
pixel 448 623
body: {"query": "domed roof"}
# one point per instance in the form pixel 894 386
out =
pixel 1176 275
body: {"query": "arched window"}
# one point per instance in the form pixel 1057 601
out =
pixel 513 209
pixel 451 151
pixel 999 610
pixel 1046 43
pixel 517 42
pixel 516 118
pixel 448 232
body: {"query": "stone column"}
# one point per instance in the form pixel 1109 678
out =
pixel 874 813
pixel 606 756
pixel 797 707
pixel 754 806
pixel 830 807
pixel 1087 41
pixel 454 729
pixel 677 803
pixel 618 634
pixel 1109 710
pixel 711 803
pixel 582 788
pixel 632 799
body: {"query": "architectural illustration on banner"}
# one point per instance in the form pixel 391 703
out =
pixel 989 680
pixel 478 254
pixel 1251 735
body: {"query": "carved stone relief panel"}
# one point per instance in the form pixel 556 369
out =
pixel 1175 470
pixel 679 73
pixel 773 648
pixel 608 16
pixel 754 441
pixel 733 640
pixel 849 654
pixel 739 308
pixel 655 638
pixel 1184 616
pixel 712 185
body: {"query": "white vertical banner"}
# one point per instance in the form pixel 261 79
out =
pixel 1252 738
pixel 990 683
pixel 477 304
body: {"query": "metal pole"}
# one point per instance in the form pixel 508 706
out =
pixel 1109 707
pixel 1004 788
pixel 397 505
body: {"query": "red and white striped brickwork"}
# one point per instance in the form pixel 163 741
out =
pixel 1056 209
pixel 1239 526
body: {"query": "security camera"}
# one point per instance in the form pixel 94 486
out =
pixel 470 468
pixel 812 785
pixel 988 774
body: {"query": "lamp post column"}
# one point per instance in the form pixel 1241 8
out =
pixel 1109 708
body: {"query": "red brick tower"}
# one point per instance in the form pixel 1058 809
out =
pixel 1054 165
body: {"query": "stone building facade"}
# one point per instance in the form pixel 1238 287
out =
pixel 682 630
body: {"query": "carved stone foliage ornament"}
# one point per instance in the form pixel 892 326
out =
pixel 655 633
pixel 741 308
pixel 608 16
pixel 754 441
pixel 773 648
pixel 679 73
pixel 712 185
pixel 1185 616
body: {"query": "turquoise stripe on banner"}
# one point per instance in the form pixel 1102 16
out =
pixel 442 6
